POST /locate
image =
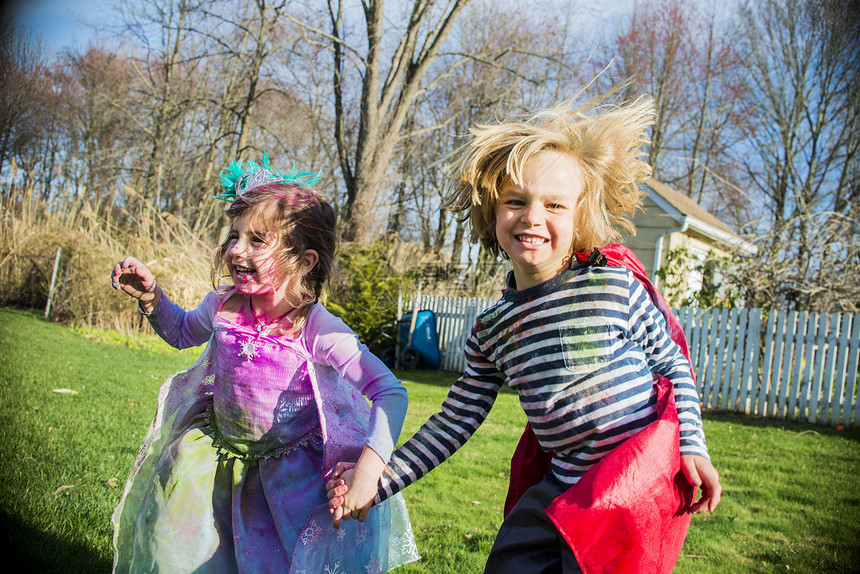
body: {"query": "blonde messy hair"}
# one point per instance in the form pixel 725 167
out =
pixel 605 140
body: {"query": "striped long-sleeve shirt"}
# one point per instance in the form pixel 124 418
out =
pixel 580 351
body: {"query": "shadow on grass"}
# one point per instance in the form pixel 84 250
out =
pixel 31 550
pixel 793 426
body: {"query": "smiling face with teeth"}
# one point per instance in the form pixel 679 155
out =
pixel 249 259
pixel 279 252
pixel 536 218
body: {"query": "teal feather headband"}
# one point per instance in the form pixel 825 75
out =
pixel 237 180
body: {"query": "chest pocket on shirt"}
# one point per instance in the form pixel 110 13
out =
pixel 585 348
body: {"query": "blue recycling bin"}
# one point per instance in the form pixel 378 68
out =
pixel 425 340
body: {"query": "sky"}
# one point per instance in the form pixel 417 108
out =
pixel 60 22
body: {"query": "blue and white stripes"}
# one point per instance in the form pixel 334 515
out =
pixel 580 351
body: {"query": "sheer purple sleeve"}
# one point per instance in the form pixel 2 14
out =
pixel 332 343
pixel 181 328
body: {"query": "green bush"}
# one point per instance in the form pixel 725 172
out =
pixel 364 290
pixel 715 292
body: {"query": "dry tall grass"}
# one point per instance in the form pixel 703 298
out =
pixel 93 238
pixel 31 229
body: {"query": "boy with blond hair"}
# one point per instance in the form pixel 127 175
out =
pixel 580 342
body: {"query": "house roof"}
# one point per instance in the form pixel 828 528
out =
pixel 691 215
pixel 685 204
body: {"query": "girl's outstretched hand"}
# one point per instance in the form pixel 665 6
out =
pixel 700 472
pixel 132 276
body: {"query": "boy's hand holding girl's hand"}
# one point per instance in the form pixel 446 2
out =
pixel 352 488
pixel 700 472
pixel 350 493
pixel 132 276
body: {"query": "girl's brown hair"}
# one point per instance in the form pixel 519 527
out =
pixel 292 218
pixel 607 142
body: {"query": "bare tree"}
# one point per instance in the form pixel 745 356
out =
pixel 492 78
pixel 390 81
pixel 238 39
pixel 160 29
pixel 95 87
pixel 254 34
pixel 713 119
pixel 25 88
pixel 656 52
pixel 801 151
pixel 688 64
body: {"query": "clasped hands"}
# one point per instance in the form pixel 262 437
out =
pixel 350 493
pixel 352 487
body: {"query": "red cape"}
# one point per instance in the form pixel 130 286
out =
pixel 627 513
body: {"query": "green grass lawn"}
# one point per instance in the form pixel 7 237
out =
pixel 791 498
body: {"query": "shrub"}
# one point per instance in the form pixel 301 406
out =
pixel 365 288
pixel 714 292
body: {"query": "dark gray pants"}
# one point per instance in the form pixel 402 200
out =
pixel 528 542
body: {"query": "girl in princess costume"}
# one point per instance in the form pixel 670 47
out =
pixel 231 474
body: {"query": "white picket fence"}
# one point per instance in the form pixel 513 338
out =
pixel 798 366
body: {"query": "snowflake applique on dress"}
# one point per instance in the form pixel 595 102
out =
pixel 312 533
pixel 251 346
pixel 249 350
pixel 407 545
pixel 361 535
pixel 373 566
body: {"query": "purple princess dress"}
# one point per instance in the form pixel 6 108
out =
pixel 231 474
